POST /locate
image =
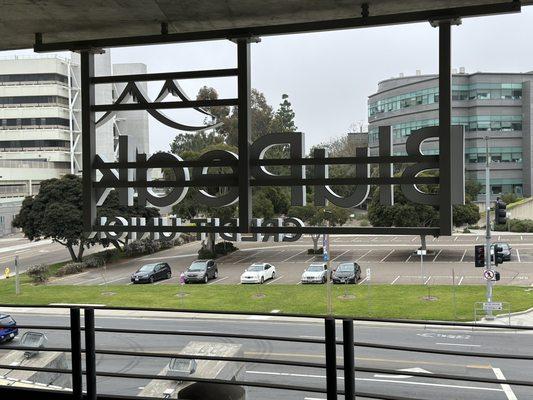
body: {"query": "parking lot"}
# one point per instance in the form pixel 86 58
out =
pixel 391 260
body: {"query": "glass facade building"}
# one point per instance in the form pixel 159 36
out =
pixel 494 105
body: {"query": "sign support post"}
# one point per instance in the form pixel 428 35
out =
pixel 488 256
pixel 17 281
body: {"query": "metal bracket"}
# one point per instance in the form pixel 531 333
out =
pixel 452 20
pixel 248 39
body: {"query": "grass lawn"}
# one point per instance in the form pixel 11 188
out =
pixel 382 301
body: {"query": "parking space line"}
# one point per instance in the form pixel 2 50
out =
pixel 250 256
pixel 518 256
pixel 408 258
pixel 392 251
pixel 428 279
pixel 460 281
pixel 477 238
pixel 363 255
pixel 340 255
pixel 275 279
pixel 363 280
pixel 455 238
pixel 218 280
pixel 112 280
pixel 88 280
pixel 414 238
pixel 462 258
pixel 294 255
pixel 440 251
pixel 394 281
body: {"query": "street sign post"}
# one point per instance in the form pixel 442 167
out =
pixel 421 253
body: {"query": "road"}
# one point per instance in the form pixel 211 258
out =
pixel 30 253
pixel 390 259
pixel 401 384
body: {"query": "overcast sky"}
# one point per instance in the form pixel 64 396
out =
pixel 329 76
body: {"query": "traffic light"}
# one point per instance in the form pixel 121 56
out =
pixel 479 256
pixel 500 215
pixel 498 254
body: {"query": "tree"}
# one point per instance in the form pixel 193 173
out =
pixel 472 189
pixel 465 214
pixel 56 212
pixel 284 117
pixel 319 216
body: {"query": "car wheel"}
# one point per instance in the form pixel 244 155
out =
pixel 216 274
pixel 323 279
pixel 273 274
pixel 206 279
pixel 169 275
pixel 151 279
pixel 262 280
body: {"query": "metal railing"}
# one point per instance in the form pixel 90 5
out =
pixel 329 344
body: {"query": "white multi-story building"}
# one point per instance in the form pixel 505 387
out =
pixel 40 122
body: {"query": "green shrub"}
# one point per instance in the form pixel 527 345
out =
pixel 224 248
pixel 320 250
pixel 38 273
pixel 109 255
pixel 94 261
pixel 70 269
pixel 516 225
pixel 364 222
pixel 205 254
pixel 466 230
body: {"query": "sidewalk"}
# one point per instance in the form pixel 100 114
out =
pixel 522 318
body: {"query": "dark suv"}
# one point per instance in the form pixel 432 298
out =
pixel 201 271
pixel 506 251
pixel 151 273
pixel 8 328
pixel 347 272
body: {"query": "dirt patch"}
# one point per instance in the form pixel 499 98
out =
pixel 430 298
pixel 181 294
pixel 347 297
pixel 108 293
pixel 258 296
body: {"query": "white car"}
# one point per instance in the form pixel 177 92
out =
pixel 315 273
pixel 258 273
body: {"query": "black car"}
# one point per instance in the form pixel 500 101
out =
pixel 347 272
pixel 8 328
pixel 506 251
pixel 151 273
pixel 201 271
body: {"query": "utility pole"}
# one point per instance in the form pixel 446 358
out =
pixel 487 208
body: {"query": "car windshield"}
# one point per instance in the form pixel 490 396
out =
pixel 256 268
pixel 197 266
pixel 6 321
pixel 345 267
pixel 147 268
pixel 315 268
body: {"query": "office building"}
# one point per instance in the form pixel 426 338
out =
pixel 494 105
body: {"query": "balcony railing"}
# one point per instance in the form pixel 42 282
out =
pixel 323 348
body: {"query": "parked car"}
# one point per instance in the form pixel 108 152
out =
pixel 347 272
pixel 258 273
pixel 150 273
pixel 201 271
pixel 506 250
pixel 315 273
pixel 8 328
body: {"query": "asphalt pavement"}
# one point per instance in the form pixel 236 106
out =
pixel 399 383
pixel 392 260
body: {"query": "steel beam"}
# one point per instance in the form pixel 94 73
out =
pixel 88 139
pixel 164 105
pixel 244 91
pixel 163 76
pixel 283 29
pixel 445 126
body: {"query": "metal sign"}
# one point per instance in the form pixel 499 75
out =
pixel 492 306
pixel 129 173
pixel 489 274
pixel 421 252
